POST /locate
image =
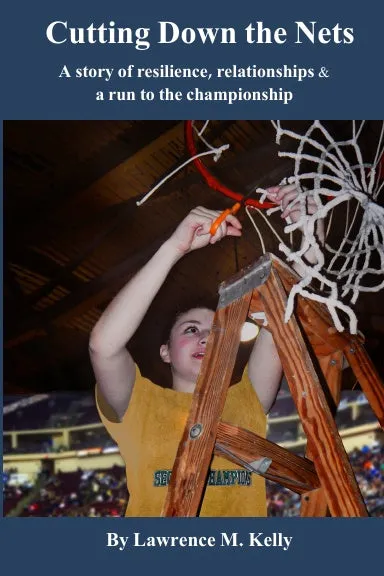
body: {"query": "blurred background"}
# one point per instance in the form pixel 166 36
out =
pixel 59 461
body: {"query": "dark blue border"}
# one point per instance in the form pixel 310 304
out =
pixel 318 547
pixel 31 64
pixel 31 90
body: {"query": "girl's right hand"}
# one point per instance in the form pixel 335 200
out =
pixel 194 231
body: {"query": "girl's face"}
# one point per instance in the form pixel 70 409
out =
pixel 186 347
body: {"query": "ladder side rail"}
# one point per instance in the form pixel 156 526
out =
pixel 330 458
pixel 195 450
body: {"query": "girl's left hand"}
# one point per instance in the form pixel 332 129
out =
pixel 284 196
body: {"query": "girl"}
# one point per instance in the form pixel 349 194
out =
pixel 147 421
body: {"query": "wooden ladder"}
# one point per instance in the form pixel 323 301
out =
pixel 311 351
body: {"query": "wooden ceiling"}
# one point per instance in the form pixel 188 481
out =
pixel 73 234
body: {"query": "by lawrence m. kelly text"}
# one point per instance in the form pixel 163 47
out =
pixel 223 539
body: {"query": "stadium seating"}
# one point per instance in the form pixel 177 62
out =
pixel 102 492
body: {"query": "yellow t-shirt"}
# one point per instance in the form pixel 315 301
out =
pixel 148 437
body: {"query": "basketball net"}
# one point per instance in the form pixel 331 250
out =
pixel 345 188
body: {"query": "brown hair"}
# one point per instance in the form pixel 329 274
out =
pixel 166 334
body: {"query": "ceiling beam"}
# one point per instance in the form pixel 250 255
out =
pixel 32 224
pixel 89 295
pixel 127 210
pixel 92 293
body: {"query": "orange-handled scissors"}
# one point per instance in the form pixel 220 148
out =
pixel 220 219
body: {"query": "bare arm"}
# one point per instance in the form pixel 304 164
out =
pixel 112 363
pixel 264 368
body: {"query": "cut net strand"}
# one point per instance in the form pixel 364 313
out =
pixel 336 181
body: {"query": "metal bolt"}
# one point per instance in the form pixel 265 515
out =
pixel 333 362
pixel 195 431
pixel 352 350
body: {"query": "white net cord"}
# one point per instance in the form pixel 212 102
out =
pixel 336 181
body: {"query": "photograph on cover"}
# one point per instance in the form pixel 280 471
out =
pixel 222 283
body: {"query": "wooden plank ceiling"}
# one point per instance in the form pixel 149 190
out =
pixel 73 234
